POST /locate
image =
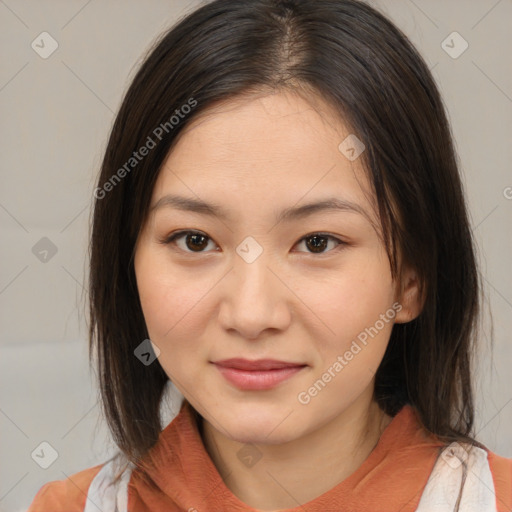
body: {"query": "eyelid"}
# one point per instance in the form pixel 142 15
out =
pixel 340 242
pixel 177 234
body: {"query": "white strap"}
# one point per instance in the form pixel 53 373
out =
pixel 461 480
pixel 104 496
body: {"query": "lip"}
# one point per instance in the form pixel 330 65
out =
pixel 257 375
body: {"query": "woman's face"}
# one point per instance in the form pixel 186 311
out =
pixel 254 282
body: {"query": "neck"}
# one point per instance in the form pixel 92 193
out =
pixel 322 458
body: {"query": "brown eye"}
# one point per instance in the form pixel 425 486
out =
pixel 197 242
pixel 317 242
pixel 194 241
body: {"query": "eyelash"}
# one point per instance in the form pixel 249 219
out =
pixel 178 234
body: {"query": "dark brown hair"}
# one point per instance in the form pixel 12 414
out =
pixel 354 58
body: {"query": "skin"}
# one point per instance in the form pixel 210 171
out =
pixel 256 157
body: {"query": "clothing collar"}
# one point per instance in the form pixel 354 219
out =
pixel 184 473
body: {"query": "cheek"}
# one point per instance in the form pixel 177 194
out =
pixel 354 298
pixel 357 308
pixel 174 316
pixel 170 300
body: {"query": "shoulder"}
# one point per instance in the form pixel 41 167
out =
pixel 501 470
pixel 68 495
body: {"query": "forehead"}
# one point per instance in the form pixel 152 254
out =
pixel 283 121
pixel 275 148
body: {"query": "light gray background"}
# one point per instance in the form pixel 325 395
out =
pixel 56 116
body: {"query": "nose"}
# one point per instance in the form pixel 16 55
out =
pixel 254 299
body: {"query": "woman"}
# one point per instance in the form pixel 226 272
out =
pixel 280 231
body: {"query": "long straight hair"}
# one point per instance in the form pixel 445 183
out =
pixel 353 57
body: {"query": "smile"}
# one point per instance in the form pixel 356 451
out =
pixel 257 375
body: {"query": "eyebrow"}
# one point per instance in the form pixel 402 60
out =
pixel 190 204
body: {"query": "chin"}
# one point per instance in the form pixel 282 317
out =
pixel 252 435
pixel 260 424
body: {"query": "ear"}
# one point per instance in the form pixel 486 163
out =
pixel 409 296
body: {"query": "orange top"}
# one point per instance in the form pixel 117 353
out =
pixel 392 477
